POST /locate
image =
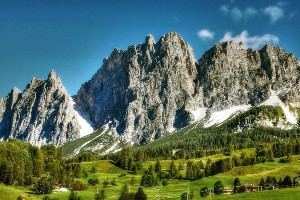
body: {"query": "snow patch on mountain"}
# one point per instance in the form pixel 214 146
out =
pixel 84 121
pixel 114 148
pixel 275 101
pixel 199 113
pixel 79 148
pixel 221 116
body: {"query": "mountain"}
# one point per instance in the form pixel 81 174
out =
pixel 42 114
pixel 154 88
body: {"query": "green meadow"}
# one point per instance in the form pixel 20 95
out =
pixel 105 170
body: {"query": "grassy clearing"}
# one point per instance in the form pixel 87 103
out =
pixel 107 171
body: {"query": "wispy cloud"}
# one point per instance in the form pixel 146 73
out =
pixel 238 14
pixel 274 12
pixel 206 34
pixel 254 42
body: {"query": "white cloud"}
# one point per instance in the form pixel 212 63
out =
pixel 205 34
pixel 254 42
pixel 238 14
pixel 274 12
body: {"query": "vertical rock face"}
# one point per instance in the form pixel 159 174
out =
pixel 154 88
pixel 145 90
pixel 231 75
pixel 43 113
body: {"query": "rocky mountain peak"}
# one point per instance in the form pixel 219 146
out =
pixel 150 41
pixel 43 113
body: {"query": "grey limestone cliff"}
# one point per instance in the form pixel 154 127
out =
pixel 157 87
pixel 42 114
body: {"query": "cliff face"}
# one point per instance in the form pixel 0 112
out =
pixel 42 114
pixel 145 90
pixel 230 75
pixel 154 88
pixel 157 87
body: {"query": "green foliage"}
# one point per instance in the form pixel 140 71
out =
pixel 157 167
pixel 74 196
pixel 165 182
pixel 124 193
pixel 173 170
pixel 287 182
pixel 93 181
pixel 187 195
pixel 100 196
pixel 236 185
pixel 78 185
pixel 69 147
pixel 93 169
pixel 204 192
pixel 140 195
pixel 218 188
pixel 43 186
pixel 262 183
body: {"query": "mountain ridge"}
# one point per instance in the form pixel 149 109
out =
pixel 155 88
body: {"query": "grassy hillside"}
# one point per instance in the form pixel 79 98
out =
pixel 105 170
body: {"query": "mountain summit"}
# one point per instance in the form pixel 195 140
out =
pixel 42 114
pixel 154 88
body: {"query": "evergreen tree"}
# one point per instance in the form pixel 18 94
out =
pixel 101 195
pixel 132 181
pixel 157 166
pixel 236 185
pixel 287 182
pixel 43 186
pixel 218 188
pixel 134 169
pixel 74 196
pixel 124 192
pixel 140 195
pixel 173 169
pixel 262 183
pixel 204 192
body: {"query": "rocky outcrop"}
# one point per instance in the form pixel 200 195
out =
pixel 42 114
pixel 154 88
pixel 145 90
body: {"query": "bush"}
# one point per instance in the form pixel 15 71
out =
pixel 93 181
pixel 204 192
pixel 80 186
pixel 105 183
pixel 218 188
pixel 43 186
pixel 74 196
pixel 165 182
pixel 94 169
pixel 100 196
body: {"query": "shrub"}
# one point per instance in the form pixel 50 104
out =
pixel 79 186
pixel 165 182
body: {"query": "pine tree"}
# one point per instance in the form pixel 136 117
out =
pixel 236 185
pixel 101 195
pixel 218 187
pixel 140 195
pixel 173 169
pixel 262 183
pixel 124 192
pixel 74 196
pixel 157 166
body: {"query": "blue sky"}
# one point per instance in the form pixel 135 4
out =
pixel 73 37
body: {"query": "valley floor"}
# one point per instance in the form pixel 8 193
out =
pixel 108 171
